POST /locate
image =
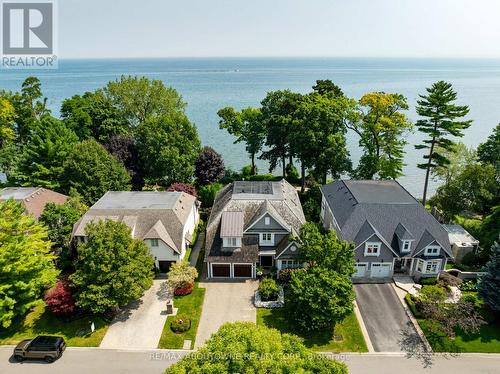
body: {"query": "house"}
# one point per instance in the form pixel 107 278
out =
pixel 253 223
pixel 461 241
pixel 392 232
pixel 165 221
pixel 33 199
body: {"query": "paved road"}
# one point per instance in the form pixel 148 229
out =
pixel 225 301
pixel 108 361
pixel 383 315
pixel 141 323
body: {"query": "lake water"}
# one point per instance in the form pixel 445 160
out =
pixel 208 84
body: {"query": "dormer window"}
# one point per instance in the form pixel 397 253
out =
pixel 432 250
pixel 231 242
pixel 406 246
pixel 372 248
pixel 267 221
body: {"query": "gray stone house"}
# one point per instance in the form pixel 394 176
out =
pixel 392 232
pixel 251 224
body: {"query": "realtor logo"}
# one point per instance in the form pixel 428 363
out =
pixel 28 34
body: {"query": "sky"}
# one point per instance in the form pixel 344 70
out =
pixel 339 28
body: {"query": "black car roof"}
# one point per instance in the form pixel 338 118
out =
pixel 47 340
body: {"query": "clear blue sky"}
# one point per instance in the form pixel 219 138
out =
pixel 378 28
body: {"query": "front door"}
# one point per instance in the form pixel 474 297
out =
pixel 266 261
pixel 165 266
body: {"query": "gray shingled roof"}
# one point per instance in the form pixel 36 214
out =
pixel 386 205
pixel 283 202
pixel 145 213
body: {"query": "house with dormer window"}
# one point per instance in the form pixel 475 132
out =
pixel 392 232
pixel 252 224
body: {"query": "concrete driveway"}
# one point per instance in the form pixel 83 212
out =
pixel 225 301
pixel 140 324
pixel 383 315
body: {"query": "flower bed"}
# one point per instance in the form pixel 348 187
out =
pixel 279 303
pixel 184 290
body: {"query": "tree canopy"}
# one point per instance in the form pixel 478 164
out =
pixel 489 283
pixel 209 167
pixel 26 264
pixel 489 151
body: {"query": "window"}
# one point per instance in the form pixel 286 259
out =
pixel 432 267
pixel 266 239
pixel 232 241
pixel 372 249
pixel 406 246
pixel 420 265
pixel 267 221
pixel 432 250
pixel 290 264
pixel 154 242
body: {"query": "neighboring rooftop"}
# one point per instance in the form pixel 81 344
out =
pixel 378 192
pixel 138 200
pixel 257 190
pixel 34 199
pixel 459 235
pixel 18 193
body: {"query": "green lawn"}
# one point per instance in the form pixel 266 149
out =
pixel 323 341
pixel 42 322
pixel 486 341
pixel 191 306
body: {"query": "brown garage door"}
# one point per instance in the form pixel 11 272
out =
pixel 221 270
pixel 165 266
pixel 243 271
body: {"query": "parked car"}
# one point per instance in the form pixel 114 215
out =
pixel 48 348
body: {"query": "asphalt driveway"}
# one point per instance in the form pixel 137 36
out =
pixel 225 301
pixel 140 324
pixel 383 315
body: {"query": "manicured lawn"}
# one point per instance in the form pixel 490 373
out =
pixel 486 341
pixel 323 341
pixel 42 322
pixel 190 306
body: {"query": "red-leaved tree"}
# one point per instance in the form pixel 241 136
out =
pixel 183 187
pixel 59 299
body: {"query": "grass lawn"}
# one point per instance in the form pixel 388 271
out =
pixel 486 341
pixel 42 322
pixel 189 305
pixel 323 341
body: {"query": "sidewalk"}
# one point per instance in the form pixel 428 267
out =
pixel 200 241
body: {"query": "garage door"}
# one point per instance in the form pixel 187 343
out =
pixel 360 270
pixel 243 271
pixel 165 266
pixel 380 270
pixel 221 270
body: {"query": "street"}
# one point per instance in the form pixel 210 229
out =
pixel 109 361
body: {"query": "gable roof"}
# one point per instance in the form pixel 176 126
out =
pixel 387 207
pixel 34 199
pixel 148 214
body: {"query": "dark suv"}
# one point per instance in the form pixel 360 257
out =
pixel 48 348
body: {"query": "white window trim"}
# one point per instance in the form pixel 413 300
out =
pixel 266 243
pixel 438 265
pixel 368 244
pixel 420 265
pixel 154 243
pixel 427 253
pixel 267 221
pixel 405 242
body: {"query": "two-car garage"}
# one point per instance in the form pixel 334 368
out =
pixel 231 270
pixel 373 270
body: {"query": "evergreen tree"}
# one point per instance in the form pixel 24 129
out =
pixel 441 119
pixel 489 151
pixel 489 284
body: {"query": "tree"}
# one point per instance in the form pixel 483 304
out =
pixel 122 273
pixel 44 154
pixel 139 98
pixel 92 171
pixel 381 127
pixel 441 119
pixel 319 298
pixel 489 283
pixel 93 115
pixel 490 228
pixel 7 117
pixel 182 276
pixel 168 147
pixel 59 220
pixel 326 250
pixel 243 347
pixel 209 167
pixel 59 299
pixel 26 265
pixel 124 148
pixel 183 187
pixel 460 156
pixel 327 87
pixel 277 112
pixel 489 151
pixel 208 193
pixel 247 127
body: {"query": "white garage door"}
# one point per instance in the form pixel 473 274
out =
pixel 380 270
pixel 360 270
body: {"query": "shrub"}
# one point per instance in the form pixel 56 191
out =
pixel 428 281
pixel 207 194
pixel 410 301
pixel 181 276
pixel 59 299
pixel 268 289
pixel 181 291
pixel 180 324
pixel 468 285
pixel 183 187
pixel 285 275
pixel 447 280
pixel 264 177
pixel 434 294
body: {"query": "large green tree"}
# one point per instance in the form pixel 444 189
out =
pixel 243 347
pixel 111 269
pixel 92 171
pixel 460 156
pixel 489 284
pixel 7 119
pixel 26 265
pixel 247 127
pixel 441 118
pixel 489 151
pixel 168 147
pixel 44 154
pixel 381 127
